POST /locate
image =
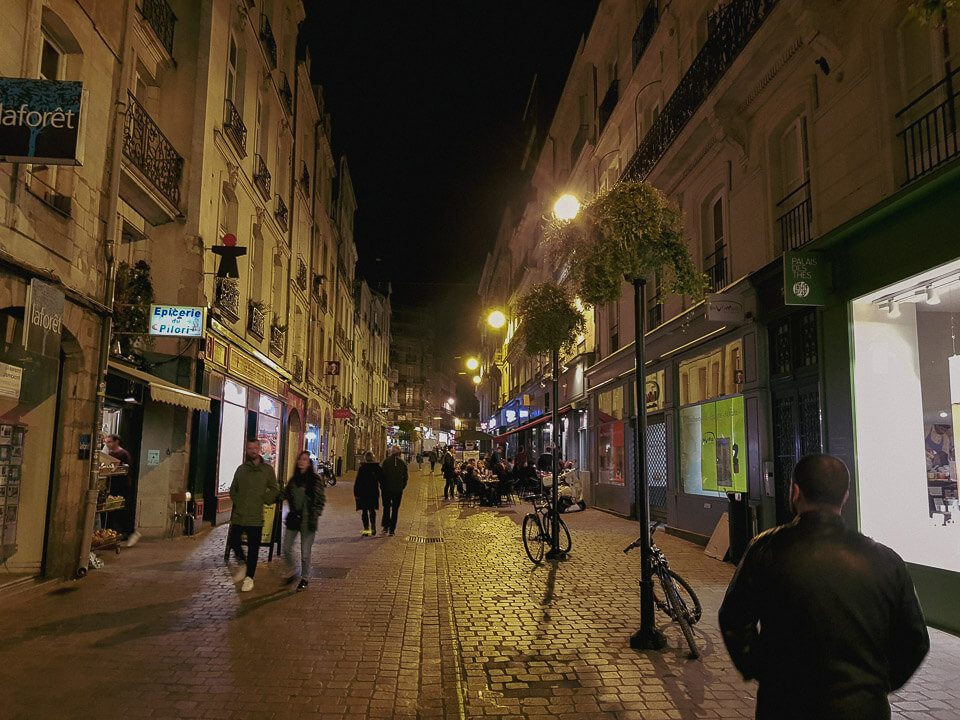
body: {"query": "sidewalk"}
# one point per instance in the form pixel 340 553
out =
pixel 448 619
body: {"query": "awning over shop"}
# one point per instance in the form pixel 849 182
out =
pixel 472 435
pixel 533 423
pixel 164 391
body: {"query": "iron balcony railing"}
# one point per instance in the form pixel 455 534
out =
pixel 257 320
pixel 297 369
pixel 304 176
pixel 930 135
pixel 796 212
pixel 579 140
pixel 234 127
pixel 301 274
pixel 735 26
pixel 261 176
pixel 715 266
pixel 269 42
pixel 148 148
pixel 645 30
pixel 286 94
pixel 277 339
pixel 161 19
pixel 228 297
pixel 609 103
pixel 281 213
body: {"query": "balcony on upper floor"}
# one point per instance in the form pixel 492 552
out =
pixel 261 176
pixel 152 181
pixel 286 94
pixel 795 216
pixel 645 30
pixel 278 339
pixel 929 135
pixel 301 274
pixel 716 267
pixel 298 369
pixel 257 319
pixel 234 128
pixel 161 20
pixel 269 42
pixel 281 213
pixel 227 299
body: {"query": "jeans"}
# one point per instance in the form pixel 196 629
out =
pixel 391 504
pixel 253 545
pixel 369 519
pixel 306 548
pixel 451 486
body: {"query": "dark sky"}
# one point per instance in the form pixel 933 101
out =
pixel 426 100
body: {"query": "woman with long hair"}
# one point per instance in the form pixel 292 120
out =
pixel 305 497
pixel 366 489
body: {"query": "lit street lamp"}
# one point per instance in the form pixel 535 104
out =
pixel 477 380
pixel 472 363
pixel 566 207
pixel 496 319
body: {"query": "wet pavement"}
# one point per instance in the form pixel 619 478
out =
pixel 448 619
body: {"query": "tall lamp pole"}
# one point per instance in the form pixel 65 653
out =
pixel 555 551
pixel 648 637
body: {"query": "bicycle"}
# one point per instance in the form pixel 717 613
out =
pixel 679 602
pixel 538 530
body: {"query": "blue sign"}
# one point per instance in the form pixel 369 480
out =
pixel 40 120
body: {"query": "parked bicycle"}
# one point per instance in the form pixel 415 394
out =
pixel 678 601
pixel 538 530
pixel 325 470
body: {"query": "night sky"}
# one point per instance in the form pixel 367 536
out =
pixel 426 100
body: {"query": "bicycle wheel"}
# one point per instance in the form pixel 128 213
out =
pixel 564 541
pixel 681 617
pixel 687 597
pixel 332 480
pixel 533 537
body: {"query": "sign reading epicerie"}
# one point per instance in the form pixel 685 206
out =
pixel 176 320
pixel 40 120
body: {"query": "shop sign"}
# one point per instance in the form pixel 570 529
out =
pixel 40 121
pixel 804 279
pixel 43 319
pixel 251 370
pixel 177 320
pixel 10 378
pixel 721 308
pixel 342 414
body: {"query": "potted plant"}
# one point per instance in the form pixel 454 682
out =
pixel 131 308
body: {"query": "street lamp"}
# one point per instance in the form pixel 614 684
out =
pixel 477 380
pixel 496 319
pixel 566 207
pixel 472 363
pixel 636 108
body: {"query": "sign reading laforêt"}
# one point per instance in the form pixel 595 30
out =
pixel 43 319
pixel 40 121
pixel 804 279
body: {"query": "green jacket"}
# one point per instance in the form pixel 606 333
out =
pixel 253 487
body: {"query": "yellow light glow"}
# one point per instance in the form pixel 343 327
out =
pixel 497 319
pixel 476 380
pixel 566 207
pixel 472 363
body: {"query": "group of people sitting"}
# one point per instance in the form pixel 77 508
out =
pixel 498 477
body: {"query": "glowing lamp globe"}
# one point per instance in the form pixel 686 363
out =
pixel 566 207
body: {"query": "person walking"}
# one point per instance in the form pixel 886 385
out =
pixel 419 461
pixel 432 456
pixel 392 483
pixel 366 490
pixel 124 485
pixel 254 485
pixel 825 618
pixel 448 468
pixel 305 496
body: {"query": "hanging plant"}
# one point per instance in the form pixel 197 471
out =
pixel 549 319
pixel 131 308
pixel 933 12
pixel 630 231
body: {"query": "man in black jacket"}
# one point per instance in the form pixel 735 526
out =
pixel 391 490
pixel 840 626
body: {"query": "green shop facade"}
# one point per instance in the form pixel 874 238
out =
pixel 890 374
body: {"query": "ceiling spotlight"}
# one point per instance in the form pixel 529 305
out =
pixel 944 414
pixel 933 297
pixel 893 308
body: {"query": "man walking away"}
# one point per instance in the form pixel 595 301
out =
pixel 254 485
pixel 825 618
pixel 433 459
pixel 419 461
pixel 448 468
pixel 391 489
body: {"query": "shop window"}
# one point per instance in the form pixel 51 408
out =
pixel 907 408
pixel 713 447
pixel 611 434
pixel 713 375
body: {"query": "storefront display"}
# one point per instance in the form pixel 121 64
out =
pixel 713 447
pixel 907 407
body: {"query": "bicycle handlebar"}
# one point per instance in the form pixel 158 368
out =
pixel 631 546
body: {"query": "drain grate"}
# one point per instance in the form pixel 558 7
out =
pixel 420 539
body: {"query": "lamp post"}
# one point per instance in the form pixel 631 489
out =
pixel 555 551
pixel 636 108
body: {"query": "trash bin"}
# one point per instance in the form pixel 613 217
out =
pixel 738 515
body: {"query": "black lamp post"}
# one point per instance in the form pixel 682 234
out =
pixel 555 552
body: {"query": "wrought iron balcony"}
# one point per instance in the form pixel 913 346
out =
pixel 795 216
pixel 654 316
pixel 278 338
pixel 281 213
pixel 269 43
pixel 257 320
pixel 150 151
pixel 715 266
pixel 930 135
pixel 261 176
pixel 286 94
pixel 321 296
pixel 645 30
pixel 579 140
pixel 609 103
pixel 161 19
pixel 228 297
pixel 304 176
pixel 739 21
pixel 301 274
pixel 234 127
pixel 298 369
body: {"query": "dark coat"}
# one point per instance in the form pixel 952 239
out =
pixel 366 488
pixel 839 622
pixel 394 476
pixel 316 499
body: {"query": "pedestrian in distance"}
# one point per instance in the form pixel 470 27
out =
pixel 123 485
pixel 254 485
pixel 392 484
pixel 825 618
pixel 448 468
pixel 432 456
pixel 366 490
pixel 545 461
pixel 419 461
pixel 305 496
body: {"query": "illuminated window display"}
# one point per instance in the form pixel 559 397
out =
pixel 713 447
pixel 610 433
pixel 907 398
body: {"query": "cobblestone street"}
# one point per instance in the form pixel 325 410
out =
pixel 448 619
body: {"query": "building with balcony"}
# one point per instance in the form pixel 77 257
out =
pixel 803 149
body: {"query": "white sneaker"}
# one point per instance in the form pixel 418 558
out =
pixel 239 574
pixel 247 584
pixel 133 538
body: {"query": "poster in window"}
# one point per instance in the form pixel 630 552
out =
pixel 6 434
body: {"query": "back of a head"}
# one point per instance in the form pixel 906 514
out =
pixel 823 479
pixel 368 457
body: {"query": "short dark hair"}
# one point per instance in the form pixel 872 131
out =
pixel 823 479
pixel 250 440
pixel 115 438
pixel 368 457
